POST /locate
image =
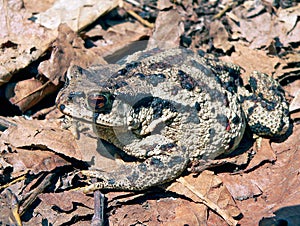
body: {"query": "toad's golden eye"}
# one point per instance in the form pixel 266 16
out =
pixel 100 102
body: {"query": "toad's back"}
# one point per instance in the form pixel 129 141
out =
pixel 202 92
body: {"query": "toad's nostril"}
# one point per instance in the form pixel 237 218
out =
pixel 62 107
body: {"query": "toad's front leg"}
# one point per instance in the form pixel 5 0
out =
pixel 164 165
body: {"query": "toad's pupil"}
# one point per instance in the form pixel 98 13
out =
pixel 97 101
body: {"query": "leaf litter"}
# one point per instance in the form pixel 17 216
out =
pixel 39 160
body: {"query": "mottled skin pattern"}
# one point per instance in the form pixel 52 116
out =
pixel 169 107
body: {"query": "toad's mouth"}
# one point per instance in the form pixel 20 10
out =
pixel 91 117
pixel 107 120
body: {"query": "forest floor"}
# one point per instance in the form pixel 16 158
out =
pixel 40 161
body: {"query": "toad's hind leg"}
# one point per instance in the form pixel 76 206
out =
pixel 265 106
pixel 152 171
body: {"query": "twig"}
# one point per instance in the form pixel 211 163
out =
pixel 133 2
pixel 14 206
pixel 13 182
pixel 98 218
pixel 38 190
pixel 227 7
pixel 140 19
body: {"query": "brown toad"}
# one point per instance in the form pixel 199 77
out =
pixel 169 107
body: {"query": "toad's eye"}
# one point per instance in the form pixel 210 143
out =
pixel 100 102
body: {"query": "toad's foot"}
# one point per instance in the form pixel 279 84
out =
pixel 265 106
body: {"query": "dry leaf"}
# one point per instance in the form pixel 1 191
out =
pixel 288 26
pixel 41 134
pixel 21 41
pixel 255 33
pixel 165 211
pixel 9 208
pixel 259 27
pixel 37 5
pixel 212 188
pixel 48 135
pixel 175 211
pixel 67 49
pixel 263 190
pixel 149 211
pixel 77 15
pixel 271 186
pixel 189 213
pixel 164 4
pixel 118 38
pixel 247 59
pixel 289 215
pixel 62 208
pixel 28 93
pixel 34 161
pixel 295 104
pixel 66 201
pixel 220 36
pixel 97 154
pixel 264 153
pixel 168 29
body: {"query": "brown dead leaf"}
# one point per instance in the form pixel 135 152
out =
pixel 62 208
pixel 21 41
pixel 9 208
pixel 117 37
pixel 285 71
pixel 77 15
pixel 264 153
pixel 47 134
pixel 212 188
pixel 190 213
pixel 247 59
pixel 287 25
pixel 295 104
pixel 34 161
pixel 254 9
pixel 293 90
pixel 37 5
pixel 293 87
pixel 240 187
pixel 256 34
pixel 133 214
pixel 176 211
pixel 28 93
pixel 253 21
pixel 50 113
pixel 67 49
pixel 271 186
pixel 41 134
pixel 168 29
pixel 66 201
pixel 164 4
pixel 220 36
pixel 295 116
pixel 289 215
pixel 165 211
pixel 292 58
